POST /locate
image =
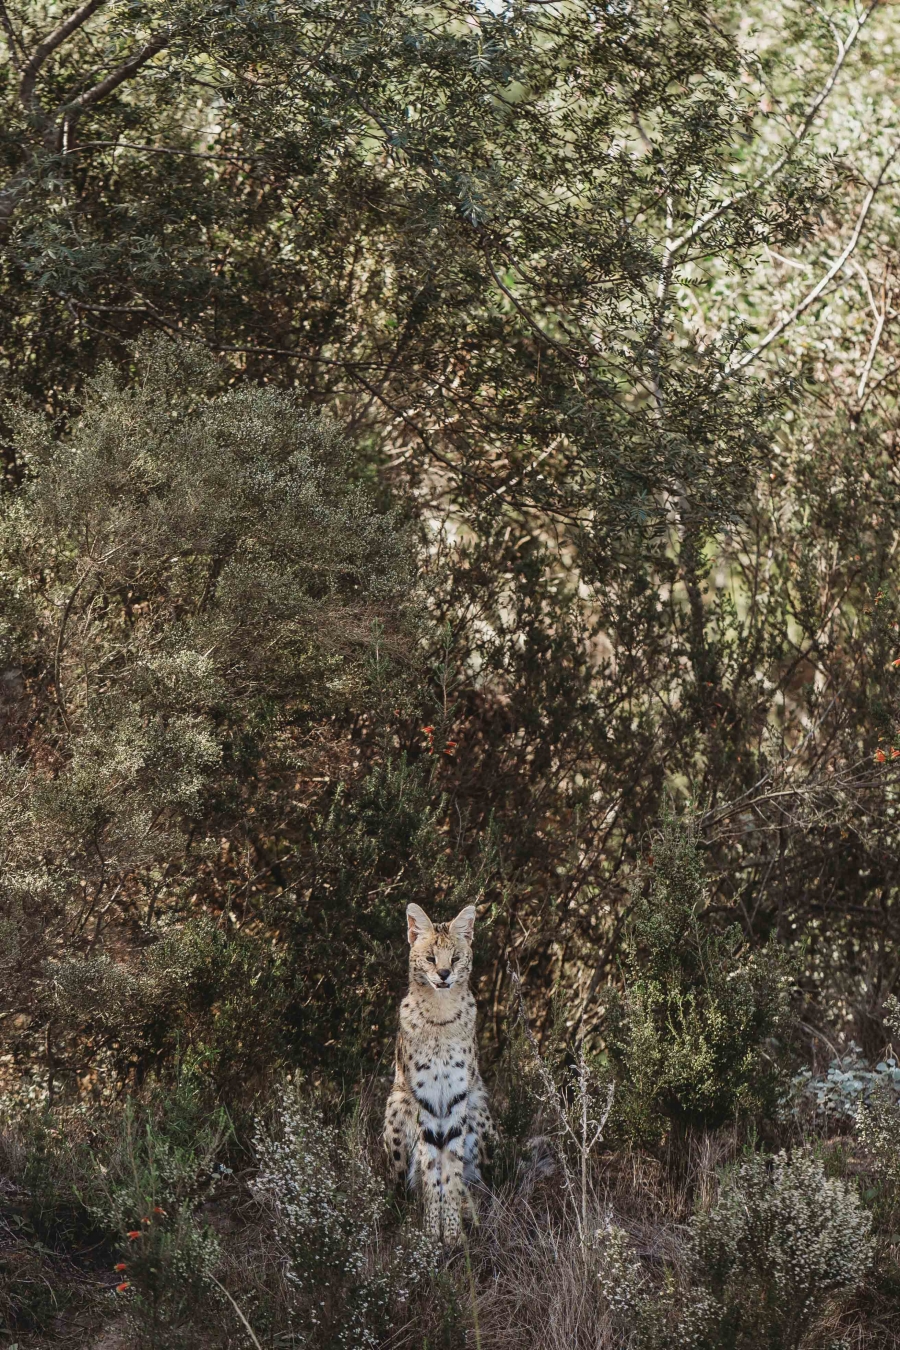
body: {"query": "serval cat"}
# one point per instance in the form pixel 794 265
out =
pixel 437 1126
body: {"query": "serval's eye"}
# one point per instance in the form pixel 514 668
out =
pixel 455 958
pixel 431 959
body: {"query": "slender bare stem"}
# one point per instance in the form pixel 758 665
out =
pixel 813 295
pixel 716 212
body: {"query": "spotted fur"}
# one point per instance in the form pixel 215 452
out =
pixel 437 1128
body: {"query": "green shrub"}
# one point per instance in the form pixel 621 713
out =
pixel 878 1129
pixel 158 1168
pixel 690 1039
pixel 125 1183
pixel 198 991
pixel 761 1267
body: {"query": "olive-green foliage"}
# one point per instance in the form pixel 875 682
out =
pixel 196 990
pixel 690 1037
pixel 445 216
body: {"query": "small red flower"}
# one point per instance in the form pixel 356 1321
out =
pixel 135 1233
pixel 158 1209
pixel 121 1266
pixel 429 730
pixel 897 662
pixel 895 754
pixel 120 1288
pixel 880 756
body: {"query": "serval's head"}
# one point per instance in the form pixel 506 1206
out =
pixel 440 954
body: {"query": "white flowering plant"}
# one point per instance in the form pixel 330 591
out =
pixel 350 1264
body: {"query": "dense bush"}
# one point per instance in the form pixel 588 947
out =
pixel 195 580
pixel 693 1036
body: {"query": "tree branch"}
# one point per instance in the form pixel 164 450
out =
pixel 880 318
pixel 829 276
pixel 56 134
pixel 112 81
pixel 714 213
pixel 159 150
pixel 46 48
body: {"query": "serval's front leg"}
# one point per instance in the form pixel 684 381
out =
pixel 453 1188
pixel 400 1133
pixel 441 1145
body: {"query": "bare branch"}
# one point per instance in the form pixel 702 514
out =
pixel 829 276
pixel 880 317
pixel 714 213
pixel 47 48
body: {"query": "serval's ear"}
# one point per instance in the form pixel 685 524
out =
pixel 463 926
pixel 418 923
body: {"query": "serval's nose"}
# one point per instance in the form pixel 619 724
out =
pixel 444 974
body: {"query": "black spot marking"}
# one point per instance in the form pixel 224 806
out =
pixel 459 1064
pixel 397 1154
pixel 455 1101
pixel 441 1138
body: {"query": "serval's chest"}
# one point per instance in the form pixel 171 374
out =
pixel 438 1056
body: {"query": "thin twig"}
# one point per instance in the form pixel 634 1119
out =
pixel 247 1327
pixel 158 150
pixel 714 213
pixel 880 317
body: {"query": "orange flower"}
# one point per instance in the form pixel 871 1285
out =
pixel 120 1288
pixel 895 754
pixel 880 756
pixel 897 662
pixel 146 1219
pixel 429 730
pixel 135 1233
pixel 121 1266
pixel 158 1209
